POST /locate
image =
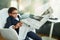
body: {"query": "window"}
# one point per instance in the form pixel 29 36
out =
pixel 13 3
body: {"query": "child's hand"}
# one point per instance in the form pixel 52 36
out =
pixel 18 25
pixel 14 27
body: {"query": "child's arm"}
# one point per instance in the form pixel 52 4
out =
pixel 8 23
pixel 18 25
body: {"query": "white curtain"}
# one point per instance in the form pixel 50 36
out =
pixel 55 4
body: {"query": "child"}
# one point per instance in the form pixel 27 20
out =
pixel 13 19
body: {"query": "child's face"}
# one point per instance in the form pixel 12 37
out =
pixel 14 13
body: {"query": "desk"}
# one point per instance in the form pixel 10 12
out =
pixel 52 26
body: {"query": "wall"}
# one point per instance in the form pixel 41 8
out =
pixel 4 3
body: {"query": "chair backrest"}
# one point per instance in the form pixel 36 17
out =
pixel 9 34
pixel 3 17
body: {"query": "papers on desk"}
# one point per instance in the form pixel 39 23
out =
pixel 34 23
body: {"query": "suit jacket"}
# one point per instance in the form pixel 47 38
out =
pixel 11 21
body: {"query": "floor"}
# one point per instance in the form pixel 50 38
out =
pixel 44 37
pixel 47 38
pixel 1 38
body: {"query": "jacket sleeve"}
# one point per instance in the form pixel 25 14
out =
pixel 8 23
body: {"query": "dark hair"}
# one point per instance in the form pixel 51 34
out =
pixel 11 9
